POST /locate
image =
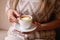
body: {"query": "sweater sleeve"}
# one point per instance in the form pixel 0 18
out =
pixel 7 6
pixel 57 9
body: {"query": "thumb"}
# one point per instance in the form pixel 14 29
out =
pixel 16 13
pixel 34 22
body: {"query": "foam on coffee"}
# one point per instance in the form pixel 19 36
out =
pixel 25 17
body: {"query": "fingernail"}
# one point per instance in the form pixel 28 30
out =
pixel 33 22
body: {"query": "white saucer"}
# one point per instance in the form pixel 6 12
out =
pixel 25 30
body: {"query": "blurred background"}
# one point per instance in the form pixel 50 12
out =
pixel 4 24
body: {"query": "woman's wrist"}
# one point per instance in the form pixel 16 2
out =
pixel 41 27
pixel 9 9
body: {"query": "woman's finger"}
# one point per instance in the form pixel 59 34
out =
pixel 10 20
pixel 18 31
pixel 38 26
pixel 13 19
pixel 16 13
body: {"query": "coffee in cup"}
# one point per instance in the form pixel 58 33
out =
pixel 25 17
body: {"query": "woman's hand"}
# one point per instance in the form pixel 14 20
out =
pixel 38 25
pixel 12 15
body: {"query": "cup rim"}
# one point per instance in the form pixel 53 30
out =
pixel 26 15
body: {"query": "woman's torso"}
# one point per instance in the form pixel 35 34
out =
pixel 41 10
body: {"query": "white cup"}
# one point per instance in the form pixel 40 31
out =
pixel 25 22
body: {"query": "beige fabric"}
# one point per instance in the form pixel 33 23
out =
pixel 41 10
pixel 13 3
